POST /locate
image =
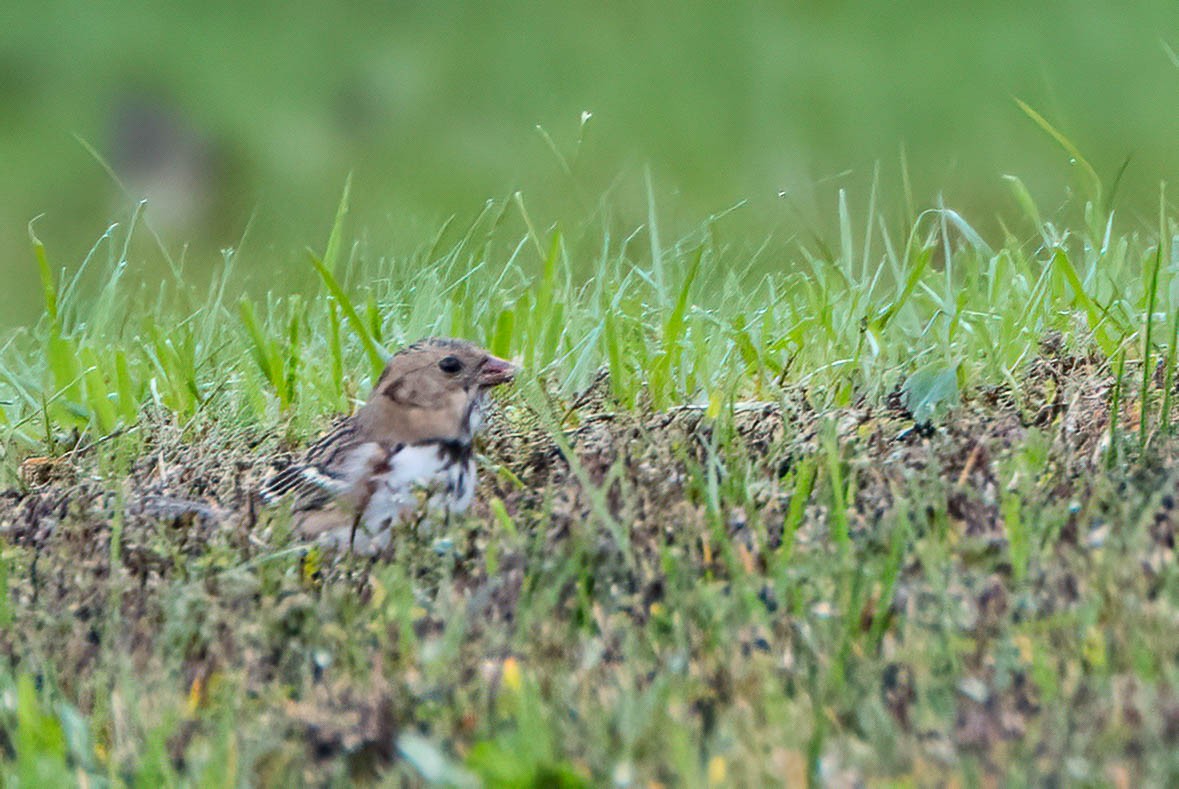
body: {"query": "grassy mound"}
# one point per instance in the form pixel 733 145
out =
pixel 896 508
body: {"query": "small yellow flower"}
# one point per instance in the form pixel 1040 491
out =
pixel 716 771
pixel 716 401
pixel 310 567
pixel 196 695
pixel 511 674
pixel 379 593
pixel 1093 649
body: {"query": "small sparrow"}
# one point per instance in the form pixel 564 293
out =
pixel 406 453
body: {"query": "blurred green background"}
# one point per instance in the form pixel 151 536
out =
pixel 228 115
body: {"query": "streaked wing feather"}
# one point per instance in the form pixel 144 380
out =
pixel 326 471
pixel 307 485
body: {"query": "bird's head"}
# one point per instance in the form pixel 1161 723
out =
pixel 431 390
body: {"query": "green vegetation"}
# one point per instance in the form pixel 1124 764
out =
pixel 841 453
pixel 435 108
pixel 866 516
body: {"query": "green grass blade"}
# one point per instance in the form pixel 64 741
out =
pixel 1147 368
pixel 1092 182
pixel 375 354
pixel 261 348
pixel 1096 316
pixel 48 287
pixel 98 397
pixel 653 236
pixel 335 242
pixel 1169 376
pixel 804 481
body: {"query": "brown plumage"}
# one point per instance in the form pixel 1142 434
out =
pixel 406 452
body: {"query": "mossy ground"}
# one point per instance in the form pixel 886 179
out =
pixel 675 595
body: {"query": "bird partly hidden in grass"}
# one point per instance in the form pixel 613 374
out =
pixel 406 453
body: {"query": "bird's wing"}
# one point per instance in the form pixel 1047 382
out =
pixel 308 485
pixel 331 469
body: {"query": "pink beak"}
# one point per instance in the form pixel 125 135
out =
pixel 496 371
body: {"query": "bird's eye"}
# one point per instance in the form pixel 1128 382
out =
pixel 450 364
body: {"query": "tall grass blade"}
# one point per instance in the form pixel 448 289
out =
pixel 804 481
pixel 335 242
pixel 1147 368
pixel 48 287
pixel 1115 410
pixel 1095 314
pixel 653 236
pixel 1092 182
pixel 840 532
pixel 1169 375
pixel 375 354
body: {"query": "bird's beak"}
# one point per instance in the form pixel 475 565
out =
pixel 496 371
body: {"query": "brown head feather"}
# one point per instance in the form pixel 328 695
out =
pixel 428 391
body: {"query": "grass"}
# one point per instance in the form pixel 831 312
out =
pixel 828 511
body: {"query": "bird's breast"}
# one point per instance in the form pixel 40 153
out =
pixel 421 479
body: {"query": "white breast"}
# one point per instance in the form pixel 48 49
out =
pixel 419 477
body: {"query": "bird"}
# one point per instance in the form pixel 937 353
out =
pixel 405 454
